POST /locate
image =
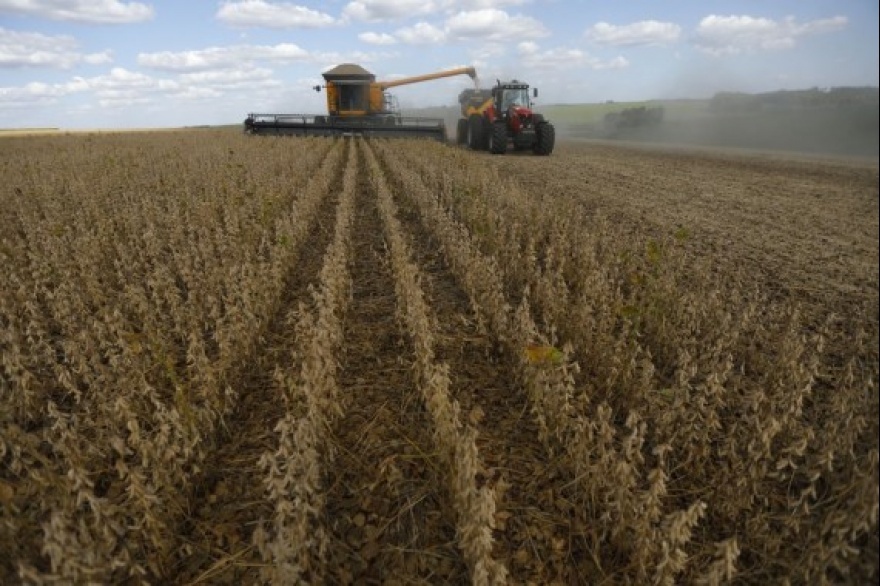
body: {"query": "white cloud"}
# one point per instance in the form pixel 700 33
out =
pixel 86 11
pixel 122 87
pixel 119 87
pixel 223 57
pixel 197 60
pixel 490 26
pixel 258 13
pixel 228 78
pixel 23 49
pixel 245 57
pixel 646 32
pixel 122 99
pixel 727 35
pixel 198 93
pixel 493 25
pixel 422 33
pixel 377 38
pixel 281 53
pixel 562 58
pixel 39 93
pixel 528 48
pixel 480 4
pixel 395 10
pixel 387 10
pixel 120 79
pixel 102 58
pixel 213 84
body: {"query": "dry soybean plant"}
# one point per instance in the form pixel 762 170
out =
pixel 294 546
pixel 732 387
pixel 474 506
pixel 135 283
pixel 701 424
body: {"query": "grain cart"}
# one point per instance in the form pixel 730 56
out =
pixel 357 104
pixel 497 118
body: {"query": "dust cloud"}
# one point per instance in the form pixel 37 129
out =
pixel 837 121
pixel 842 121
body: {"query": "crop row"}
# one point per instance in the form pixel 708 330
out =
pixel 687 423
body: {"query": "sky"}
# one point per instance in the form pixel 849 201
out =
pixel 167 63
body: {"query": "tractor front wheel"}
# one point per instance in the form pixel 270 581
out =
pixel 545 138
pixel 498 138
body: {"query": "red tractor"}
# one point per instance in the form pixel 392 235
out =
pixel 496 119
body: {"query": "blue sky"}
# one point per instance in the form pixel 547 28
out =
pixel 117 64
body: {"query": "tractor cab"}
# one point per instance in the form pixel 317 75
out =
pixel 513 93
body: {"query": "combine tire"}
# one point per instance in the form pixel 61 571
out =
pixel 461 131
pixel 498 139
pixel 545 138
pixel 476 133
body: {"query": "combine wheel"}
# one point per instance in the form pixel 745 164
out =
pixel 476 133
pixel 498 139
pixel 461 131
pixel 545 138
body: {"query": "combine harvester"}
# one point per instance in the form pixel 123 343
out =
pixel 357 104
pixel 496 118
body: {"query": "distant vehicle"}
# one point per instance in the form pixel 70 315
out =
pixel 502 116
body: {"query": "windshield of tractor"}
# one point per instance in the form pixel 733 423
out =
pixel 514 97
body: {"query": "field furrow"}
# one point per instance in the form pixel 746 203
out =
pixel 385 507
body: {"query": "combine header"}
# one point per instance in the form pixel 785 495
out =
pixel 357 104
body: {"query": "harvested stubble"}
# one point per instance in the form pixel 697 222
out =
pixel 710 416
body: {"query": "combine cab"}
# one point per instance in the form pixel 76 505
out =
pixel 357 104
pixel 502 117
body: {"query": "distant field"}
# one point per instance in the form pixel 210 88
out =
pixel 848 129
pixel 53 130
pixel 27 131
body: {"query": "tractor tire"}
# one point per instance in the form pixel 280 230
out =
pixel 545 139
pixel 461 131
pixel 476 133
pixel 498 139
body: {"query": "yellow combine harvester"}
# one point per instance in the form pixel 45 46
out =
pixel 357 104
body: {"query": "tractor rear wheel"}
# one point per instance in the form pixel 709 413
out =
pixel 498 138
pixel 461 130
pixel 545 138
